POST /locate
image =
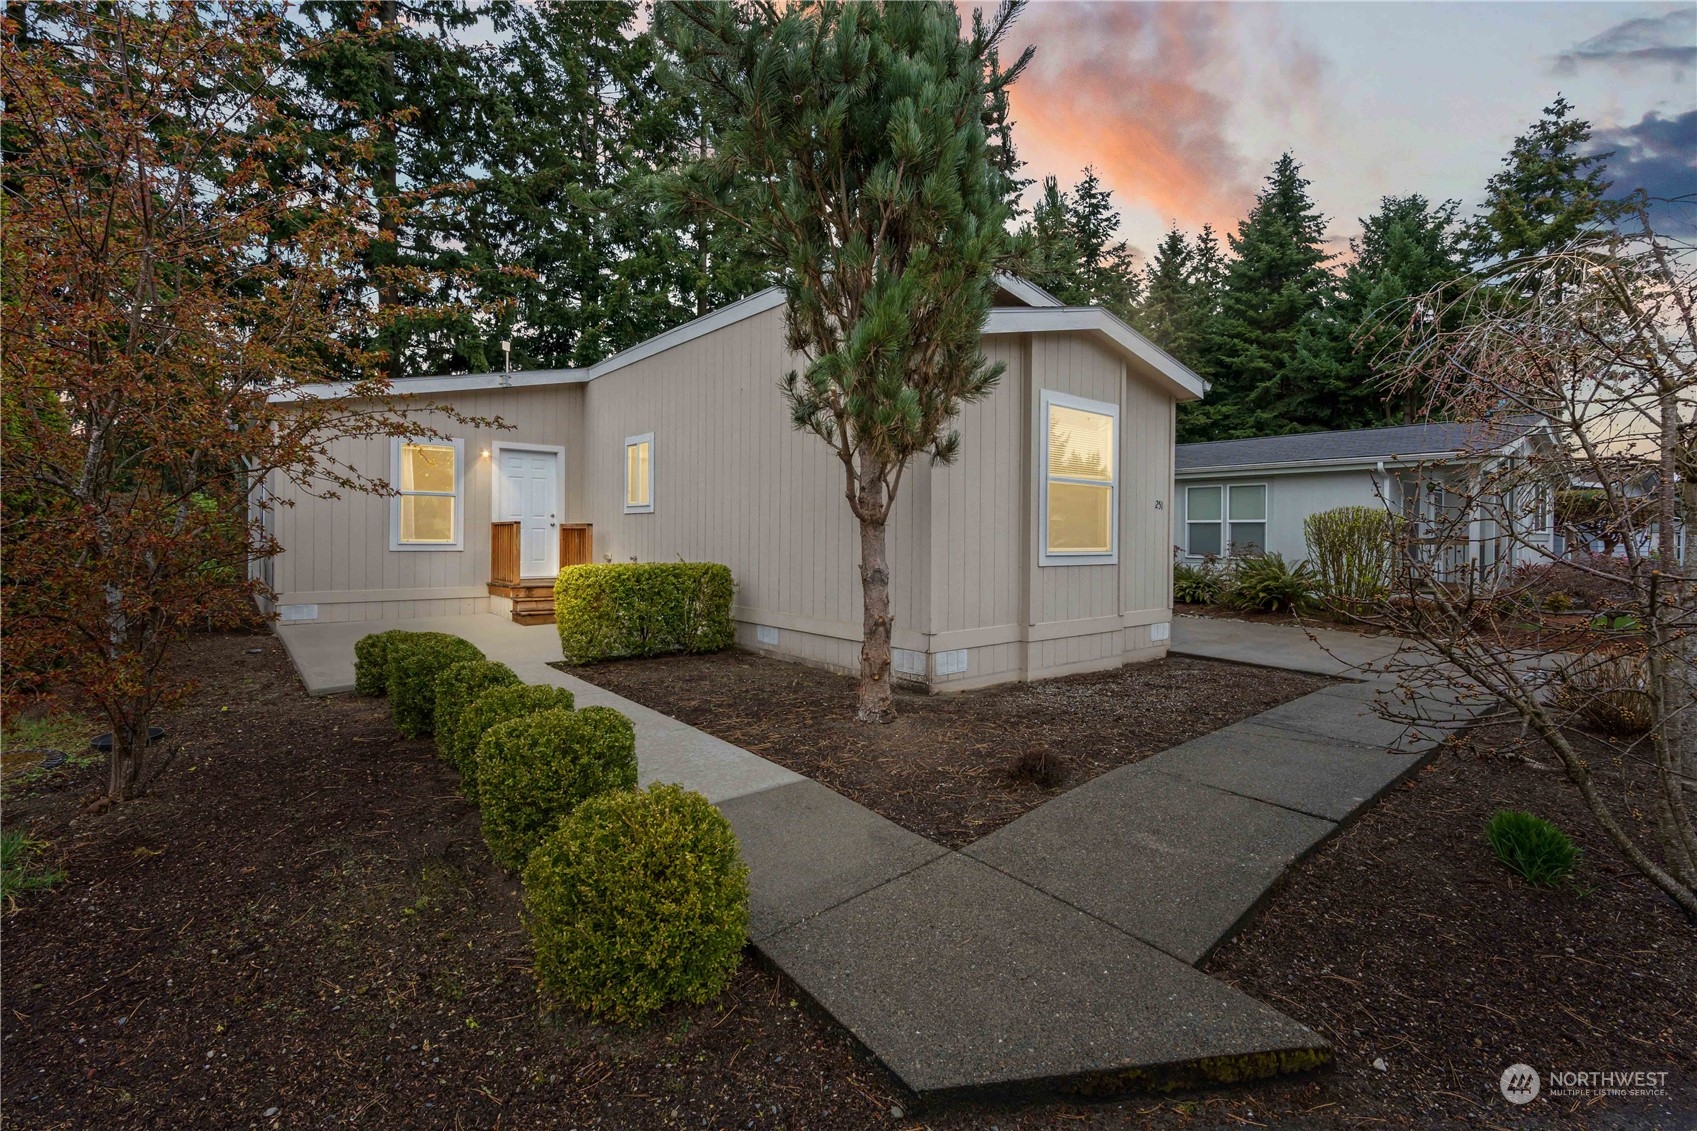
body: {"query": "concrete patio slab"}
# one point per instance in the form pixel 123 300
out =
pixel 1175 863
pixel 1329 652
pixel 323 654
pixel 808 848
pixel 1329 780
pixel 963 982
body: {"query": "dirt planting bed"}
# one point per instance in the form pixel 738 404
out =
pixel 952 767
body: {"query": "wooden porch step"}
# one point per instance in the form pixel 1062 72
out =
pixel 533 601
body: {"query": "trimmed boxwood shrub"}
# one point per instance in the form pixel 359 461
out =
pixel 415 660
pixel 636 900
pixel 371 661
pixel 532 771
pixel 643 609
pixel 497 705
pixel 457 688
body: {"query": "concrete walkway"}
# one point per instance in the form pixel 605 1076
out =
pixel 1328 651
pixel 1058 953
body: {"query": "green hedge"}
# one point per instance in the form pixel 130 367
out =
pixel 1352 550
pixel 456 689
pixel 415 660
pixel 636 900
pixel 608 611
pixel 534 770
pixel 497 705
pixel 371 661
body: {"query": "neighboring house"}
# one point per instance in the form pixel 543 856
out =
pixel 1249 496
pixel 1044 549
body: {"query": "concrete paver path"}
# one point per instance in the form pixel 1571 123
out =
pixel 1059 952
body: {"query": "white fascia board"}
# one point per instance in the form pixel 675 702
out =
pixel 1026 291
pixel 754 304
pixel 1171 372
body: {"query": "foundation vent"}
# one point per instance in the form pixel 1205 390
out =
pixel 952 662
pixel 766 634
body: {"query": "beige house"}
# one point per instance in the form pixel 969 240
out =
pixel 1044 549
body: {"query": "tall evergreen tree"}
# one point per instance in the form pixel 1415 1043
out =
pixel 396 72
pixel 1407 249
pixel 1068 248
pixel 1167 314
pixel 857 133
pixel 1256 349
pixel 1548 192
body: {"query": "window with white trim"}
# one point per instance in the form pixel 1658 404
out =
pixel 428 510
pixel 639 474
pixel 1080 496
pixel 1221 520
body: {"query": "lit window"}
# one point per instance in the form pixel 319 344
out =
pixel 639 474
pixel 1080 480
pixel 426 512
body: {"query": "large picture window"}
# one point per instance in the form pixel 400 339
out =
pixel 639 474
pixel 1080 487
pixel 427 512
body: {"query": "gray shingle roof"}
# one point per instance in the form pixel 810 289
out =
pixel 1357 444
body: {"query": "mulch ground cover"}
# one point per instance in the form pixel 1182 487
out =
pixel 300 927
pixel 948 767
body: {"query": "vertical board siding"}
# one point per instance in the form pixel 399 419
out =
pixel 341 545
pixel 736 483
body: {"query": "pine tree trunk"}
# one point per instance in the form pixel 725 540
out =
pixel 877 704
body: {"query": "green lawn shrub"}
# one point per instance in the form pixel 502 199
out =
pixel 456 689
pixel 534 770
pixel 1531 847
pixel 1351 550
pixel 415 660
pixel 1609 694
pixel 497 705
pixel 371 661
pixel 643 609
pixel 1196 585
pixel 1266 583
pixel 636 900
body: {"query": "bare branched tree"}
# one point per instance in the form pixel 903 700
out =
pixel 1588 356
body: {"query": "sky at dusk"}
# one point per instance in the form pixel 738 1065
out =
pixel 1183 107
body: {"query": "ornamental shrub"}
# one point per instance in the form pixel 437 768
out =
pixel 636 900
pixel 1530 846
pixel 532 771
pixel 456 689
pixel 1196 585
pixel 1264 583
pixel 1351 550
pixel 492 706
pixel 371 661
pixel 1611 694
pixel 415 660
pixel 643 609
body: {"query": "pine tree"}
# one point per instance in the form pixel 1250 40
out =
pixel 1548 192
pixel 857 136
pixel 394 70
pixel 1407 249
pixel 1048 252
pixel 1068 248
pixel 1273 291
pixel 1169 311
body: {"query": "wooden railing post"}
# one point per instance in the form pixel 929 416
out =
pixel 504 552
pixel 577 543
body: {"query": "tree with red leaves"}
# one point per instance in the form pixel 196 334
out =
pixel 173 260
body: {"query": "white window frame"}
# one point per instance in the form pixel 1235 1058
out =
pixel 395 542
pixel 1225 501
pixel 1266 518
pixel 1224 522
pixel 631 442
pixel 1046 557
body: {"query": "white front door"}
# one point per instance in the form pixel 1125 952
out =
pixel 530 485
